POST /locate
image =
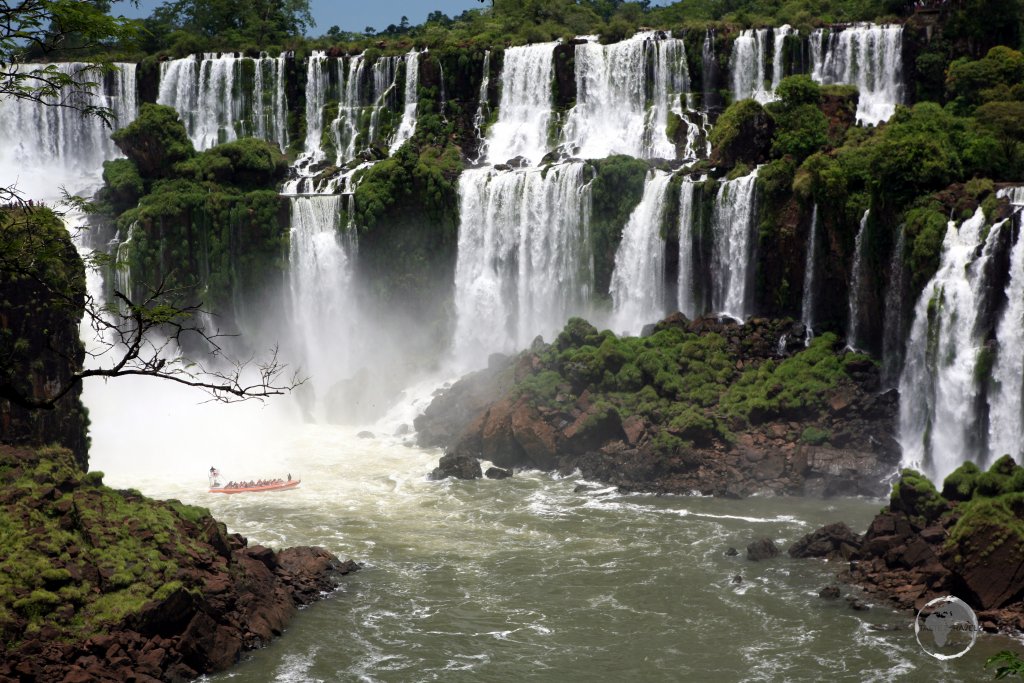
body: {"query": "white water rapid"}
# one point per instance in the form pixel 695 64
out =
pixel 686 281
pixel 412 80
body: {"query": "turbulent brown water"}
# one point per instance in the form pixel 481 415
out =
pixel 522 579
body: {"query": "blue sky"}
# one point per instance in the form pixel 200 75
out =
pixel 354 15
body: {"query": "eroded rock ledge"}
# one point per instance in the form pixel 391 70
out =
pixel 105 585
pixel 706 405
pixel 966 541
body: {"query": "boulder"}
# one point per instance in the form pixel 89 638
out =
pixel 534 435
pixel 497 473
pixel 829 592
pixel 458 466
pixel 762 549
pixel 833 541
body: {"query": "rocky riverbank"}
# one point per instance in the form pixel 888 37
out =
pixel 105 585
pixel 966 541
pixel 706 405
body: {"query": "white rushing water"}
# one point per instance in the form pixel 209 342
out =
pixel 322 301
pixel 749 53
pixel 1006 402
pixel 732 261
pixel 524 261
pixel 46 146
pixel 810 266
pixel 638 280
pixel 686 281
pixel 412 81
pixel 221 97
pixel 622 107
pixel 856 282
pixel 524 111
pixel 938 387
pixel 482 107
pixel 869 56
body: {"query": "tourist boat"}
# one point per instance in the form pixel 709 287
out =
pixel 278 486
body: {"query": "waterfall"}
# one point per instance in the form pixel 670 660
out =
pixel 482 108
pixel 384 73
pixel 611 115
pixel 868 56
pixel 345 127
pixel 685 298
pixel 48 145
pixel 209 94
pixel 733 224
pixel 856 277
pixel 938 387
pixel 412 82
pixel 893 332
pixel 321 266
pixel 749 52
pixel 524 111
pixel 317 83
pixel 807 303
pixel 709 71
pixel 778 59
pixel 1006 402
pixel 638 280
pixel 524 262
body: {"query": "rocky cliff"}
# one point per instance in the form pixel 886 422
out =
pixel 42 295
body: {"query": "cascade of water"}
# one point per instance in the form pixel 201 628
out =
pixel 810 261
pixel 686 282
pixel 1006 402
pixel 273 124
pixel 345 127
pixel 524 263
pixel 749 52
pixel 482 108
pixel 383 74
pixel 320 265
pixel 524 111
pixel 638 280
pixel 317 83
pixel 709 71
pixel 856 277
pixel 938 388
pixel 611 115
pixel 893 332
pixel 412 82
pixel 122 267
pixel 733 222
pixel 778 43
pixel 207 92
pixel 868 56
pixel 47 145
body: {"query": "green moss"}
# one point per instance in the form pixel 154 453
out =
pixel 916 496
pixel 815 435
pixel 960 484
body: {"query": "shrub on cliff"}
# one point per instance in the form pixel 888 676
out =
pixel 742 134
pixel 616 190
pixel 155 141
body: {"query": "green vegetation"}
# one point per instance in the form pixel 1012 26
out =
pixel 617 189
pixel 209 226
pixel 79 556
pixel 691 383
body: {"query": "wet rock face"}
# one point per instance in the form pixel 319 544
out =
pixel 835 541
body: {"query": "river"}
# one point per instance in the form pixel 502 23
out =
pixel 522 579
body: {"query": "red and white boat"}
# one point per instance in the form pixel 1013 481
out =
pixel 281 484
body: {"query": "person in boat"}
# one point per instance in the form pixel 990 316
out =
pixel 289 476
